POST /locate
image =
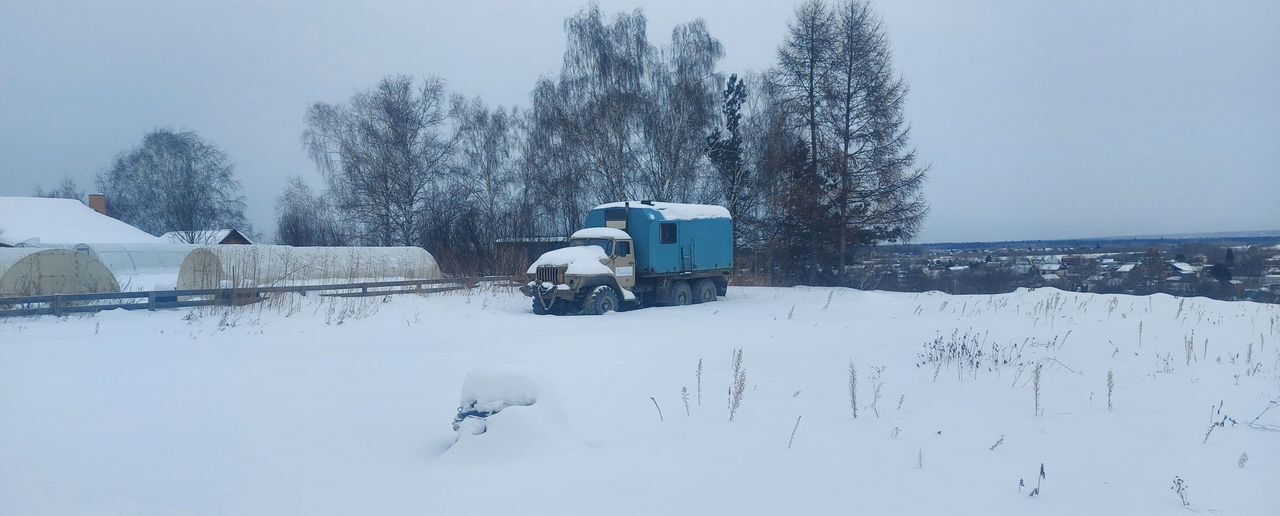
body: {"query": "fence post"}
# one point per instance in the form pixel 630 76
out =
pixel 56 305
pixel 151 300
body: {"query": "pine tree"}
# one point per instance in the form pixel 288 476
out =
pixel 725 152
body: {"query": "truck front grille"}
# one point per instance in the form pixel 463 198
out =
pixel 549 274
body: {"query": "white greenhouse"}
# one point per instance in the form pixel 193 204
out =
pixel 279 265
pixel 32 271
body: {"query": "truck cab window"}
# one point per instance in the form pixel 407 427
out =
pixel 602 243
pixel 624 249
pixel 667 233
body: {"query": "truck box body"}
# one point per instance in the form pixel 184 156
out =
pixel 671 238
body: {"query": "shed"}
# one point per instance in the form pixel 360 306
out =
pixel 30 271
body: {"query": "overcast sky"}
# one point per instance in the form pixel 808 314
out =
pixel 1074 119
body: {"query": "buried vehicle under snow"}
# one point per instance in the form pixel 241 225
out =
pixel 636 254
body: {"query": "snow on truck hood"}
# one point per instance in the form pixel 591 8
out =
pixel 582 260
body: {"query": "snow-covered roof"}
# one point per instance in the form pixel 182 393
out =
pixel 209 236
pixel 611 233
pixel 1050 266
pixel 1184 267
pixel 676 211
pixel 1050 277
pixel 1128 267
pixel 39 220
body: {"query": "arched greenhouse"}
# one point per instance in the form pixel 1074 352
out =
pixel 278 265
pixel 33 271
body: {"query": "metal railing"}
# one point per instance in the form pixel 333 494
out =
pixel 63 304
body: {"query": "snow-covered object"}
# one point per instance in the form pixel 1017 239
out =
pixel 677 211
pixel 31 271
pixel 581 260
pixel 39 221
pixel 222 266
pixel 508 411
pixel 611 233
pixel 491 389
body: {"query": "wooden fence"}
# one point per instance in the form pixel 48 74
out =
pixel 59 304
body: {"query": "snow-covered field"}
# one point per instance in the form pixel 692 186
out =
pixel 346 407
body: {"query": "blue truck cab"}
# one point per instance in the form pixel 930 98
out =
pixel 655 253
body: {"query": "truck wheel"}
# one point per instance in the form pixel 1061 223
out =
pixel 602 299
pixel 704 291
pixel 681 294
pixel 540 310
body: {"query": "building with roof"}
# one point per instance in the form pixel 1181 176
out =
pixel 40 221
pixel 207 237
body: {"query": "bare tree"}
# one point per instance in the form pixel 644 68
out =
pixel 485 171
pixel 174 181
pixel 804 63
pixel 306 219
pixel 386 156
pixel 623 119
pixel 67 189
pixel 877 195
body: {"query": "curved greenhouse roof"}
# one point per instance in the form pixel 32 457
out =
pixel 40 272
pixel 279 265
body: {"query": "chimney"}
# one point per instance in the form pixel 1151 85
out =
pixel 98 202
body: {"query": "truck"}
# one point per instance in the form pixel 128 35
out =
pixel 632 254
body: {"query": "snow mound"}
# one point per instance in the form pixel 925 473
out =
pixel 509 412
pixel 582 259
pixel 491 389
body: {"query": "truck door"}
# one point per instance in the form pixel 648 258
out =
pixel 624 264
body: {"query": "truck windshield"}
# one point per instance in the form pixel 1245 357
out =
pixel 603 243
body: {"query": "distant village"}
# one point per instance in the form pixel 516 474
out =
pixel 1228 269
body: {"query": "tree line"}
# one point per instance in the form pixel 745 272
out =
pixel 812 156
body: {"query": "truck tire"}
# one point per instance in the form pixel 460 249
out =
pixel 540 310
pixel 704 291
pixel 602 299
pixel 681 294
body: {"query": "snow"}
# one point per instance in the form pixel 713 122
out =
pixel 677 211
pixel 581 260
pixel 38 221
pixel 321 406
pixel 611 233
pixel 1128 267
pixel 493 388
